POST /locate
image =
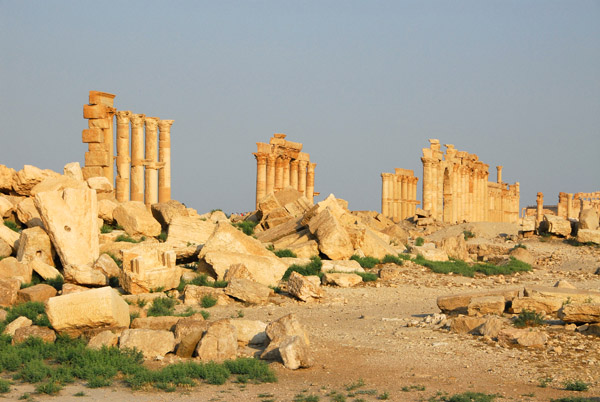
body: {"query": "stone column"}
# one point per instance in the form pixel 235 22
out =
pixel 412 195
pixel 569 205
pixel 499 172
pixel 137 157
pixel 164 157
pixel 123 160
pixel 270 173
pixel 427 188
pixel 302 177
pixel 109 171
pixel 540 209
pixel 395 198
pixel 384 194
pixel 286 171
pixel 310 182
pixel 404 197
pixel 151 159
pixel 261 176
pixel 294 174
pixel 279 173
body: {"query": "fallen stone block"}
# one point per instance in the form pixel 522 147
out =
pixel 152 343
pixel 523 337
pixel 267 270
pixel 547 305
pixel 277 331
pixel 35 243
pixel 104 338
pixel 342 280
pixel 248 291
pixel 219 342
pixel 135 218
pixel 305 288
pixel 465 324
pixel 334 241
pixel 28 213
pixel 37 293
pixel 165 323
pixel 458 304
pixel 149 267
pixel 8 291
pixel 556 225
pixel 588 219
pixel 11 268
pixel 250 332
pixel 33 331
pixel 586 313
pixel 486 305
pixel 295 353
pixel 193 295
pixel 190 229
pixel 17 323
pixel 575 296
pixel 347 266
pixel 588 236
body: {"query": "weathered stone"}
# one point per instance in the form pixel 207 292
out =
pixel 106 209
pixel 189 229
pixel 219 342
pixel 523 337
pixel 587 312
pixel 588 236
pixel 348 266
pixel 73 170
pixel 429 252
pixel 565 295
pixel 333 239
pixel 152 343
pixel 100 183
pixel 227 238
pixel 522 254
pixel 107 266
pixel 237 271
pixel 36 293
pixel 547 305
pixel 250 332
pixel 85 275
pixel 267 270
pixel 304 288
pixel 305 249
pixel 464 324
pixel 165 323
pixel 455 247
pixel 248 291
pixel 35 243
pixel 28 213
pixel 33 331
pixel 69 288
pixel 44 270
pixel 165 212
pixel 555 225
pixel 17 323
pixel 104 338
pixel 5 249
pixel 9 236
pixel 588 219
pixel 7 176
pixel 135 218
pixel 187 325
pixel 491 327
pixel 486 305
pixel 193 295
pixel 76 313
pixel 456 304
pixel 277 331
pixel 11 268
pixel 295 353
pixel 8 291
pixel 56 183
pixel 564 284
pixel 397 233
pixel 389 272
pixel 369 243
pixel 6 207
pixel 149 267
pixel 25 179
pixel 70 218
pixel 189 332
pixel 341 280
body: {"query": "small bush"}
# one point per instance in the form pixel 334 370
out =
pixel 384 396
pixel 162 237
pixel 419 241
pixel 106 228
pixel 519 245
pixel 285 253
pixel 35 311
pixel 129 239
pixel 246 226
pixel 465 397
pixel 462 268
pixel 57 282
pixel 162 306
pixel 576 385
pixel 50 388
pixel 468 234
pixel 12 226
pixel 365 262
pixel 4 386
pixel 392 259
pixel 528 318
pixel 202 280
pixel 312 268
pixel 208 301
pixel 367 276
pixel 205 314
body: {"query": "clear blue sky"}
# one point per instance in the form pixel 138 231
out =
pixel 362 84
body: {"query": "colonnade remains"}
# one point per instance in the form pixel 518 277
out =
pixel 145 174
pixel 399 194
pixel 281 164
pixel 456 188
pixel 569 205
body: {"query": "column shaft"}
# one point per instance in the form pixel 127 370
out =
pixel 261 176
pixel 123 161
pixel 286 172
pixel 302 177
pixel 384 194
pixel 164 157
pixel 310 182
pixel 137 157
pixel 279 173
pixel 404 197
pixel 270 173
pixel 294 174
pixel 151 159
pixel 109 171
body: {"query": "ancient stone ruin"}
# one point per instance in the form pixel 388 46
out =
pixel 150 169
pixel 399 194
pixel 281 164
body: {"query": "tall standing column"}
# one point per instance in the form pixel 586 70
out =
pixel 137 157
pixel 539 209
pixel 286 171
pixel 270 173
pixel 294 174
pixel 164 157
pixel 427 196
pixel 413 195
pixel 404 197
pixel 279 173
pixel 302 177
pixel 109 171
pixel 395 206
pixel 310 182
pixel 123 160
pixel 261 176
pixel 151 159
pixel 384 194
pixel 569 205
pixel 499 173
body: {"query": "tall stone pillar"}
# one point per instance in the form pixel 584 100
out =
pixel 279 173
pixel 302 177
pixel 427 185
pixel 499 172
pixel 164 157
pixel 539 209
pixel 270 173
pixel 151 161
pixel 261 176
pixel 286 171
pixel 294 174
pixel 109 171
pixel 570 206
pixel 385 178
pixel 404 197
pixel 395 198
pixel 123 160
pixel 310 182
pixel 137 157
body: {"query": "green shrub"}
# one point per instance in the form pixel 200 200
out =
pixel 471 397
pixel 384 396
pixel 50 388
pixel 365 262
pixel 519 245
pixel 462 268
pixel 246 226
pixel 284 252
pixel 129 239
pixel 162 306
pixel 34 371
pixel 4 386
pixel 572 399
pixel 468 234
pixel 35 311
pixel 419 241
pixel 106 228
pixel 392 259
pixel 576 385
pixel 12 226
pixel 367 276
pixel 162 237
pixel 201 280
pixel 57 282
pixel 208 301
pixel 528 318
pixel 312 268
pixel 205 314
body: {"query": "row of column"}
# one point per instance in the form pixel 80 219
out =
pixel 398 195
pixel 570 205
pixel 145 175
pixel 276 172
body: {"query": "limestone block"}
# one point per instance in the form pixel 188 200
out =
pixel 465 325
pixel 565 295
pixel 149 267
pixel 528 224
pixel 588 235
pixel 523 337
pixel 8 291
pixel 165 323
pixel 165 212
pixel 92 136
pixel 69 288
pixel 91 171
pixel 237 271
pixel 228 238
pixel 547 305
pixel 35 243
pixel 338 208
pixel 290 228
pixel 5 249
pixel 17 323
pixel 218 216
pixel 152 343
pixel 193 295
pixel 587 312
pixel 28 213
pixel 85 275
pixel 44 270
pixel 389 272
pixel 97 158
pixel 267 270
pixel 305 249
pixel 295 353
pixel 556 225
pixel 588 219
pixel 369 243
pixel 188 332
pixel 99 123
pixel 73 170
pixel 70 218
pixel 135 218
pixel 455 247
pixel 9 236
pixel 564 284
pixel 333 239
pixel 56 183
pixel 36 293
pixel 341 280
pixel 250 332
pixel 248 291
pixel 397 234
pixel 6 207
pixel 429 252
pixel 101 184
pixel 25 179
pixel 486 305
pixel 277 331
pixel 522 254
pixel 491 327
pixel 304 288
pixel 455 304
pixel 11 268
pixel 219 342
pixel 104 338
pixel 77 313
pixel 106 209
pixel 95 111
pixel 267 204
pixel 107 266
pixel 187 229
pixel 7 176
pixel 44 333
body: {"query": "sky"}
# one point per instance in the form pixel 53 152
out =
pixel 362 84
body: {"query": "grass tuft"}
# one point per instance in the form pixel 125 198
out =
pixel 246 226
pixel 285 253
pixel 312 268
pixel 129 239
pixel 12 226
pixel 419 241
pixel 365 262
pixel 462 268
pixel 162 306
pixel 576 385
pixel 528 318
pixel 208 301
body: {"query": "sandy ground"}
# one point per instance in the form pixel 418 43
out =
pixel 366 333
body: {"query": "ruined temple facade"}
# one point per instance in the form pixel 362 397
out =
pixel 145 174
pixel 456 188
pixel 569 205
pixel 281 164
pixel 399 194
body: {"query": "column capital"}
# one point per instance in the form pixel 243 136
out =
pixel 151 123
pixel 294 162
pixel 165 125
pixel 387 176
pixel 137 120
pixel 123 116
pixel 428 161
pixel 271 158
pixel 261 157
